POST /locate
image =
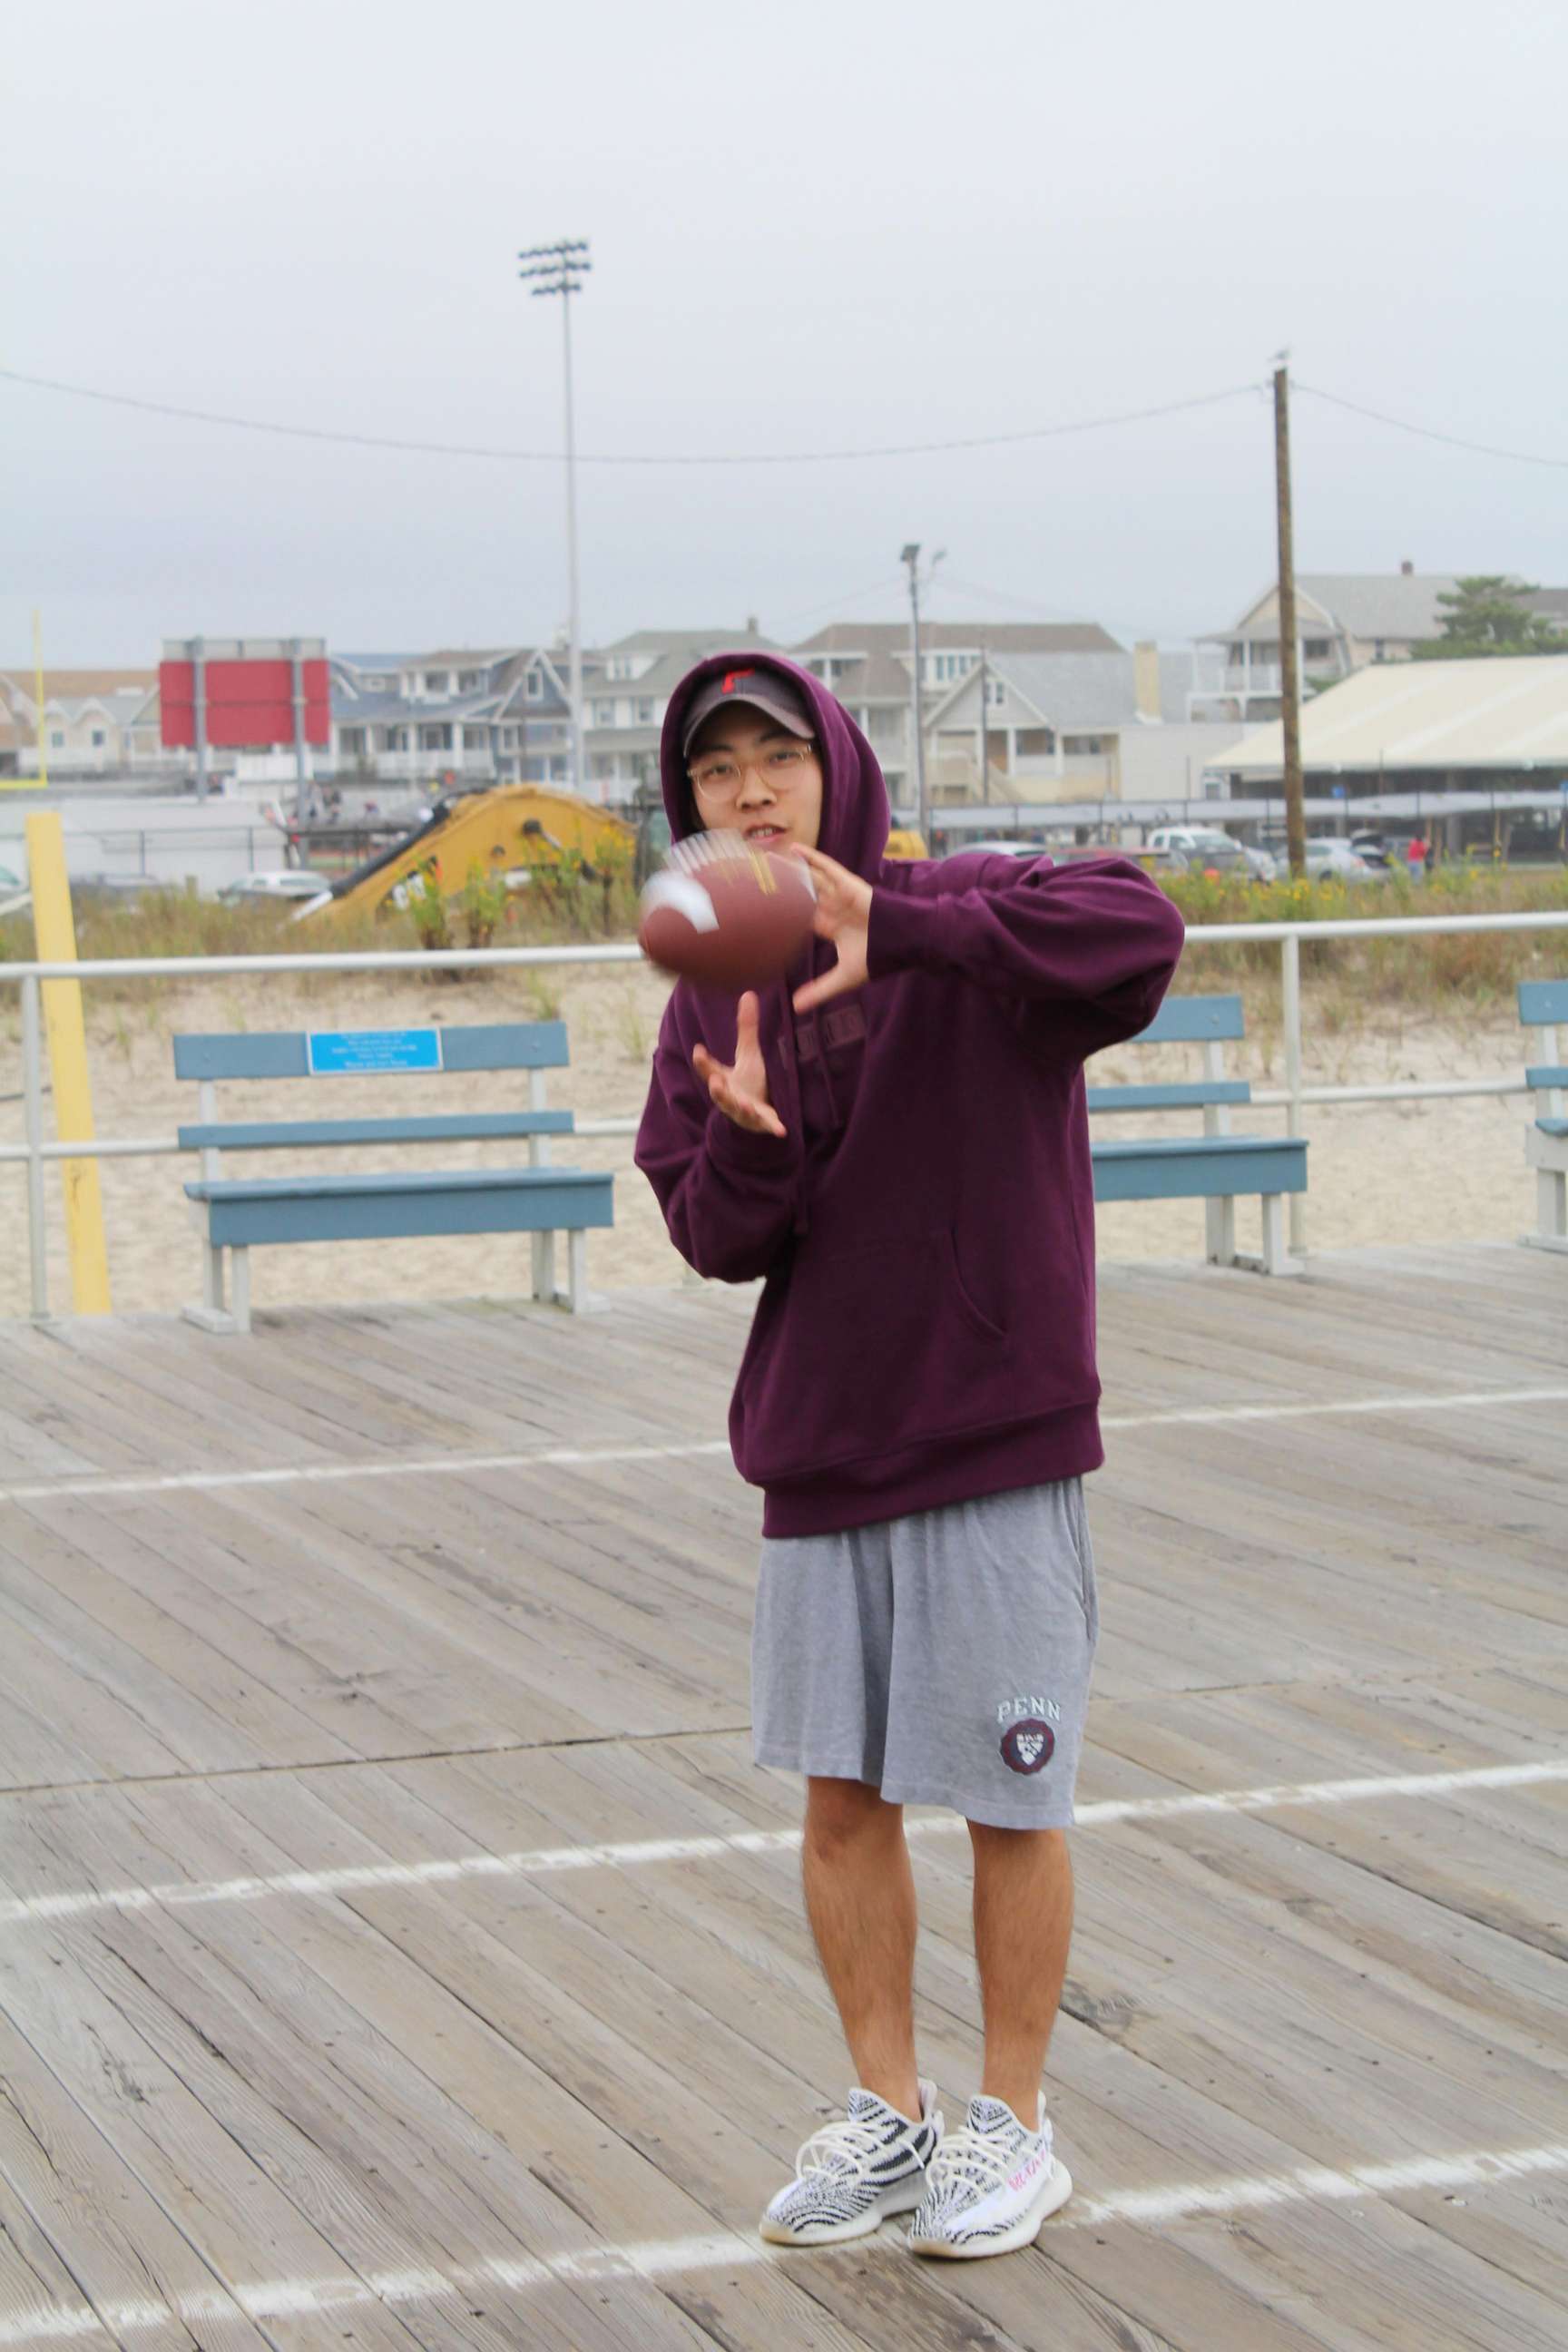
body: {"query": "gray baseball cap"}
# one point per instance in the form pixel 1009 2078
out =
pixel 763 688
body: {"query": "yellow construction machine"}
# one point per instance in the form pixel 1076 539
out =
pixel 511 831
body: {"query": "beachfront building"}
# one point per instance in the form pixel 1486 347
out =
pixel 1024 726
pixel 1471 753
pixel 869 667
pixel 95 722
pixel 461 717
pixel 1344 622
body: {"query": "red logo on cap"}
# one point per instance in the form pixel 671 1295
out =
pixel 732 680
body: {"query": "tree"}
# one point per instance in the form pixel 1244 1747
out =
pixel 1489 613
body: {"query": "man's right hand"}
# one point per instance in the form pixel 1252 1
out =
pixel 741 1091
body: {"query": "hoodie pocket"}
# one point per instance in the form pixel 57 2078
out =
pixel 867 1350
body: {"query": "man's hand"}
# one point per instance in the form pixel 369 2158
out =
pixel 741 1091
pixel 843 916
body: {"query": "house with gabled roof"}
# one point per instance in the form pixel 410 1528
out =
pixel 867 665
pixel 1029 725
pixel 92 719
pixel 1344 620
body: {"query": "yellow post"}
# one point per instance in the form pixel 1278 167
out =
pixel 39 782
pixel 55 934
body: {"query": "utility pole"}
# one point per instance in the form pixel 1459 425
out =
pixel 1290 668
pixel 984 727
pixel 911 558
pixel 559 268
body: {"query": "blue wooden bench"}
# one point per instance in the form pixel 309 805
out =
pixel 1216 1166
pixel 1544 1005
pixel 237 1215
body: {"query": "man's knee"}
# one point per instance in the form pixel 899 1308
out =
pixel 840 1814
pixel 1007 1844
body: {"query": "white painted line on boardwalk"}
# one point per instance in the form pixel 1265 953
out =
pixel 90 1486
pixel 632 1853
pixel 657 2258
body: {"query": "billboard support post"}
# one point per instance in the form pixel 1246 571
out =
pixel 199 691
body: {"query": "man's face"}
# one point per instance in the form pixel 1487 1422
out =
pixel 770 810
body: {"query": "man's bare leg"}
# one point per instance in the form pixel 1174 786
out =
pixel 1023 1926
pixel 860 1901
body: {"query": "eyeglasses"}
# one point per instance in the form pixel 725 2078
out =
pixel 719 779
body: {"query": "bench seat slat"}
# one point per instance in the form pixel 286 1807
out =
pixel 248 1212
pixel 1545 1074
pixel 1196 1167
pixel 1185 1094
pixel 1555 1126
pixel 295 1134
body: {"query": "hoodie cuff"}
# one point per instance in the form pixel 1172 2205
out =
pixel 744 1149
pixel 904 932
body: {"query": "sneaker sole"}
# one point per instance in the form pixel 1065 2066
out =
pixel 903 2199
pixel 1058 2188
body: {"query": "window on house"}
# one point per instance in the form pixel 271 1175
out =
pixel 470 681
pixel 1085 746
pixel 995 692
pixel 57 740
pixel 350 739
pixel 438 681
pixel 604 714
pixel 536 687
pixel 434 739
pixel 1237 655
pixel 1035 742
pixel 476 738
pixel 1377 644
pixel 1316 649
pixel 98 739
pixel 645 710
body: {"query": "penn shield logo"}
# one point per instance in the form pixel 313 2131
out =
pixel 1028 1745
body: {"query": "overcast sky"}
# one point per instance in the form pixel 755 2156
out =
pixel 813 227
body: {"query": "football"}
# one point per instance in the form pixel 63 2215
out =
pixel 726 915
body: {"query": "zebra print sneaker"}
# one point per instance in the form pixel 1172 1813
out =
pixel 992 2183
pixel 850 2176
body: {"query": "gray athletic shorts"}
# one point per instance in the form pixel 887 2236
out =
pixel 944 1658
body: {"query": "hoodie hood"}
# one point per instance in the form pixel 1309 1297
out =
pixel 856 817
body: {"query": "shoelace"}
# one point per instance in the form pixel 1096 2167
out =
pixel 838 2145
pixel 966 2158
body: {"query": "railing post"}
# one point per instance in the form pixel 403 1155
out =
pixel 1290 998
pixel 33 1131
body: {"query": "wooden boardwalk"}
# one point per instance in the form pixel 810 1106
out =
pixel 398 1949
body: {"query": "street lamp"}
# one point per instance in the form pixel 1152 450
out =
pixel 559 268
pixel 911 556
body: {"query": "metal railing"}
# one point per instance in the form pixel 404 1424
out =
pixel 1293 1097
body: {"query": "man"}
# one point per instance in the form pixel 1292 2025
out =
pixel 897 1142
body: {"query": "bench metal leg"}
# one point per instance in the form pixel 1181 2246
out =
pixel 1275 1260
pixel 1551 1205
pixel 544 1269
pixel 241 1259
pixel 577 1271
pixel 212 1314
pixel 1219 1217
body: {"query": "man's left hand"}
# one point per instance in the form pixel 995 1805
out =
pixel 843 916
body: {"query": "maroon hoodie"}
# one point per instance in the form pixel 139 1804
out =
pixel 925 1228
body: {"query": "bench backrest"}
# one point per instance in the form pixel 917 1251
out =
pixel 1544 1005
pixel 1207 1021
pixel 531 1046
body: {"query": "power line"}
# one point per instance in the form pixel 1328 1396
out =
pixel 1427 431
pixel 553 456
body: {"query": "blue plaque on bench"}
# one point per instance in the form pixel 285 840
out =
pixel 339 1053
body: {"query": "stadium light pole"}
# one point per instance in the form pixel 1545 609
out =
pixel 559 268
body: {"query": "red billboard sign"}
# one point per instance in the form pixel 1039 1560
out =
pixel 250 703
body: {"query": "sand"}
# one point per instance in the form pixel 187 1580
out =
pixel 1450 1171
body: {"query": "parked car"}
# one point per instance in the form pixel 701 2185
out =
pixel 1329 859
pixel 295 882
pixel 1200 849
pixel 1378 849
pixel 999 848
